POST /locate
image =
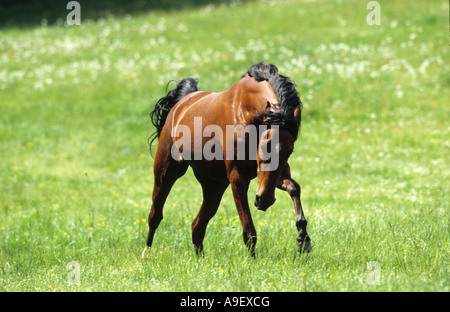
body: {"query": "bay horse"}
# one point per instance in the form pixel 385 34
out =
pixel 262 97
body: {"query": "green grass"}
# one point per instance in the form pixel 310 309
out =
pixel 372 158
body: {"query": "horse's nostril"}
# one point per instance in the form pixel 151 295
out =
pixel 257 201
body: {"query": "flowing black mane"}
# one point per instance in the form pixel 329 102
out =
pixel 286 94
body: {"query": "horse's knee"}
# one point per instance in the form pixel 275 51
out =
pixel 293 189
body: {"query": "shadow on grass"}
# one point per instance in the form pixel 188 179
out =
pixel 29 13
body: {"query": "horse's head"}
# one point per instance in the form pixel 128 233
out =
pixel 275 147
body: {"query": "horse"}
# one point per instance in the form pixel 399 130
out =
pixel 261 98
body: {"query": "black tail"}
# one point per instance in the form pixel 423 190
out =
pixel 165 104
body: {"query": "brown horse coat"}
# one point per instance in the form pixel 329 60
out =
pixel 253 100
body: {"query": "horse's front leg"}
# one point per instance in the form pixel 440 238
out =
pixel 239 185
pixel 289 185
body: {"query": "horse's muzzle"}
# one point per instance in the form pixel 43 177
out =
pixel 261 204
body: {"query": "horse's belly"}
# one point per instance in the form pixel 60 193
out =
pixel 211 169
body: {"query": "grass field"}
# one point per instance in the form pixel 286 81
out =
pixel 372 157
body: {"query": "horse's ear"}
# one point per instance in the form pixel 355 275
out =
pixel 272 107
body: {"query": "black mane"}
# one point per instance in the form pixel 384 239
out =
pixel 286 94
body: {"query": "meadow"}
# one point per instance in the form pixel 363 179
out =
pixel 372 156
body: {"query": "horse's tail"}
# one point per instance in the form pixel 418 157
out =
pixel 164 105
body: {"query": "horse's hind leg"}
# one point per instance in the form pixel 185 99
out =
pixel 212 194
pixel 166 171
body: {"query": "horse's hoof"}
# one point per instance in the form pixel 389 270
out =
pixel 143 252
pixel 304 246
pixel 199 250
